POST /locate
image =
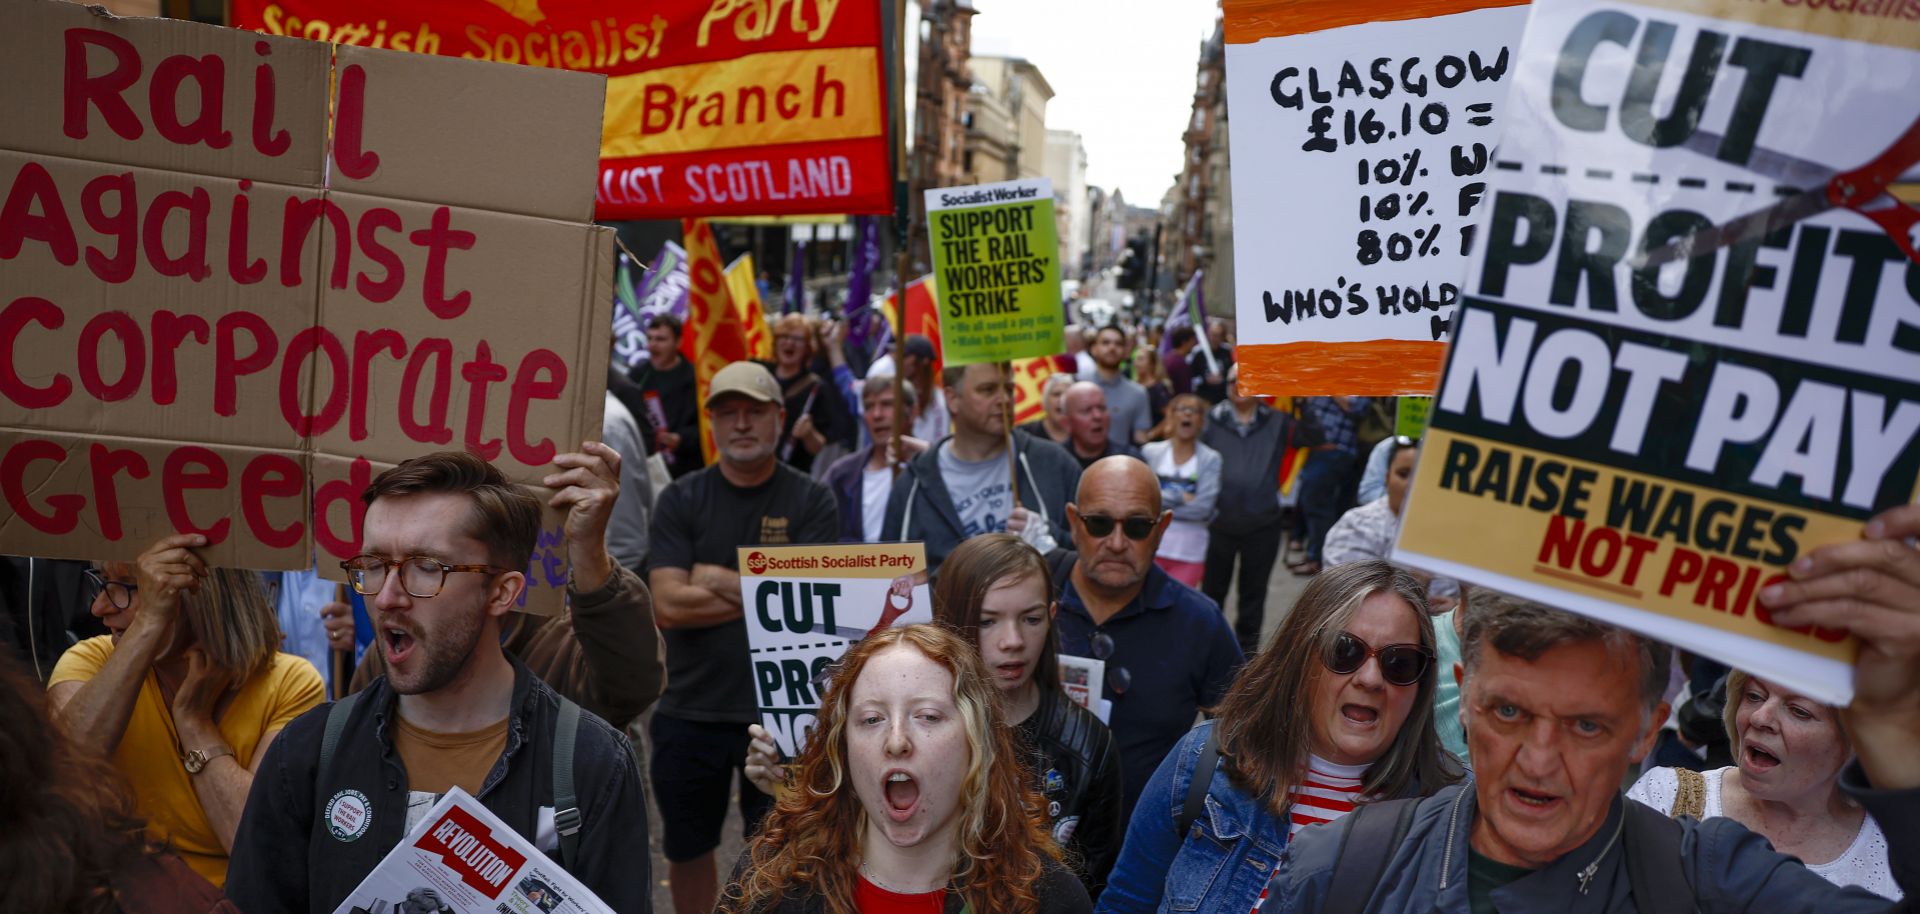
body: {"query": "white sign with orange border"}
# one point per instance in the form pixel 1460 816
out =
pixel 805 605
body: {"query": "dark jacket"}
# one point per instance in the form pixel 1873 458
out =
pixel 1250 463
pixel 679 401
pixel 286 859
pixel 845 480
pixel 921 508
pixel 1079 771
pixel 602 649
pixel 1728 868
pixel 1058 893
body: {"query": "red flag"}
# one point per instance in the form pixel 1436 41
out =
pixel 714 337
pixel 923 317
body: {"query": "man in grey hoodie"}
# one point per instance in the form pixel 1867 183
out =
pixel 964 485
pixel 1252 439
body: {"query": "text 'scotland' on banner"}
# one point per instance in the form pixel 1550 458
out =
pixel 1362 138
pixel 805 605
pixel 713 107
pixel 998 277
pixel 1688 350
pixel 212 322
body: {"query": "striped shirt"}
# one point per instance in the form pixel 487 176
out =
pixel 1326 793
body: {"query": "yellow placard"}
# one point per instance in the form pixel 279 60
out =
pixel 757 100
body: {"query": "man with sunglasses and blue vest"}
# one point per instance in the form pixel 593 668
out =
pixel 442 547
pixel 1169 652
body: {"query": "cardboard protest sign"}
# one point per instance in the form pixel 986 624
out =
pixel 212 321
pixel 1683 357
pixel 805 605
pixel 713 107
pixel 995 256
pixel 1361 137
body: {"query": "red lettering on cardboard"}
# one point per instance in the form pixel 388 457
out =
pixel 271 476
pixel 133 356
pixel 18 221
pixel 176 478
pixel 304 345
pixel 350 154
pixel 382 291
pixel 193 263
pixel 481 372
pixel 209 75
pixel 265 139
pixel 366 345
pixel 228 365
pixel 359 476
pixel 103 92
pixel 106 464
pixel 12 320
pixel 169 331
pixel 435 430
pixel 13 473
pixel 122 223
pixel 527 386
pixel 439 239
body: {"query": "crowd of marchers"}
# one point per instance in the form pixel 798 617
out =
pixel 1396 742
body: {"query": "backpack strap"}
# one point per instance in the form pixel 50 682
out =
pixel 1374 831
pixel 330 739
pixel 1655 867
pixel 1690 793
pixel 566 805
pixel 1202 780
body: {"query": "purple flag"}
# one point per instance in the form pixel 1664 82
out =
pixel 796 280
pixel 1188 311
pixel 866 259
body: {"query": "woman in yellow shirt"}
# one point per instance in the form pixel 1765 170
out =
pixel 184 694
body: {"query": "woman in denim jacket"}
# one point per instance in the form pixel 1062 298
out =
pixel 1337 709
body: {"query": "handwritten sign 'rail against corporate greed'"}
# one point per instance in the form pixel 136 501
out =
pixel 805 605
pixel 212 322
pixel 1650 434
pixel 1361 135
pixel 997 276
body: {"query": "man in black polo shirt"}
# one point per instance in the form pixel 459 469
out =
pixel 1169 651
pixel 700 726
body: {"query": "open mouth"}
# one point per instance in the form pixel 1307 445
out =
pixel 1010 670
pixel 1760 759
pixel 399 643
pixel 1532 799
pixel 903 794
pixel 1359 714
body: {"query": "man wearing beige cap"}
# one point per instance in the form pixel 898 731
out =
pixel 699 728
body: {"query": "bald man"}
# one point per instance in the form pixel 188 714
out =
pixel 1086 419
pixel 1168 649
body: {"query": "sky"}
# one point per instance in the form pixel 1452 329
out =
pixel 1122 73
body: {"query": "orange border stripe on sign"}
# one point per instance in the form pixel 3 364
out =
pixel 1248 21
pixel 1376 368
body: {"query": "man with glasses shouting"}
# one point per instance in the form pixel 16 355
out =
pixel 1169 651
pixel 444 542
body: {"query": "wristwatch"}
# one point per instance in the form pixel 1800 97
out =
pixel 198 758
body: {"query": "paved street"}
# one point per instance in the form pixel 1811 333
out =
pixel 1281 591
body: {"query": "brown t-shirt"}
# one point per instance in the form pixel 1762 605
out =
pixel 437 762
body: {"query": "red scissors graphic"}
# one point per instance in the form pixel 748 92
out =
pixel 1865 190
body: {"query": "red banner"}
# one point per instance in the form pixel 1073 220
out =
pixel 714 107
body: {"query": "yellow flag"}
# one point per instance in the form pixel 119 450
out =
pixel 746 301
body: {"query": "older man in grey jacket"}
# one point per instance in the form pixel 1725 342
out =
pixel 1557 707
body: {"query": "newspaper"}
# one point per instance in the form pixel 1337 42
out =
pixel 1083 678
pixel 461 859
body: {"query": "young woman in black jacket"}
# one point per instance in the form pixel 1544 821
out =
pixel 996 590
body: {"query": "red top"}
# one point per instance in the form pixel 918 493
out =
pixel 872 899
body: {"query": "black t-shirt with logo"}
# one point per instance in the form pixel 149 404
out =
pixel 702 518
